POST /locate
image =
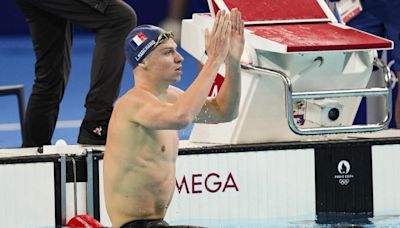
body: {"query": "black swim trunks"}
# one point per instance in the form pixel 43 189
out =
pixel 153 223
pixel 150 223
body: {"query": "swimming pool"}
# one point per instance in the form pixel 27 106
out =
pixel 328 220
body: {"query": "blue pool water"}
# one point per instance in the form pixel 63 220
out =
pixel 334 220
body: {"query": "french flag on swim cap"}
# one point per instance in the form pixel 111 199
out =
pixel 139 42
pixel 138 39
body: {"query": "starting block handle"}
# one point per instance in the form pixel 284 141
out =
pixel 291 96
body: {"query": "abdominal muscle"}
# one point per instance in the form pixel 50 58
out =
pixel 139 182
pixel 144 195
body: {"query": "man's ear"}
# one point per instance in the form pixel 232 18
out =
pixel 143 64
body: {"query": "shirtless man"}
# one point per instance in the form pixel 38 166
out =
pixel 142 143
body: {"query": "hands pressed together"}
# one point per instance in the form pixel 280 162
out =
pixel 226 39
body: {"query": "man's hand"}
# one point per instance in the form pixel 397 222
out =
pixel 218 40
pixel 237 37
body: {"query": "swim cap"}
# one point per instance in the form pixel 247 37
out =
pixel 141 41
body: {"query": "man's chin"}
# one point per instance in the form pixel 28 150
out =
pixel 176 79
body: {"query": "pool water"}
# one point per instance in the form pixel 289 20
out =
pixel 327 220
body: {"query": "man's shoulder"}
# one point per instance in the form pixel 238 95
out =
pixel 131 103
pixel 135 99
pixel 135 94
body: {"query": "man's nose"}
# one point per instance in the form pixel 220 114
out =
pixel 178 57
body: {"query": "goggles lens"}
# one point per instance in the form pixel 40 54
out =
pixel 163 37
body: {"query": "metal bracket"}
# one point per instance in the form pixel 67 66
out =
pixel 63 184
pixel 90 183
pixel 293 96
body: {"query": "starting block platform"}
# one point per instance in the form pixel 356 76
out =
pixel 303 73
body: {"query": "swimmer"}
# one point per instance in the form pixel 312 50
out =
pixel 142 141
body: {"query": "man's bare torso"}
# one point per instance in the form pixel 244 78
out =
pixel 139 170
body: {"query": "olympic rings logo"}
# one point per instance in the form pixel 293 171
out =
pixel 344 181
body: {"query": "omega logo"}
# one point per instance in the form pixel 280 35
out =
pixel 212 183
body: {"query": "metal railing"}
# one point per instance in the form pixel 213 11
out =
pixel 293 96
